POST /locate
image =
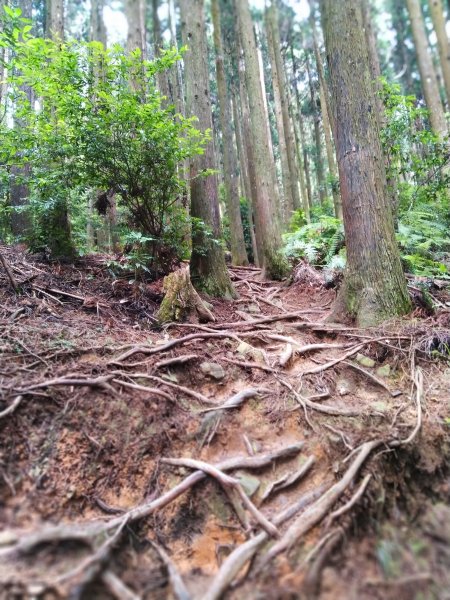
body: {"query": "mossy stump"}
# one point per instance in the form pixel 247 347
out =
pixel 181 301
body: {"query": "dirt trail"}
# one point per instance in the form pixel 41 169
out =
pixel 352 428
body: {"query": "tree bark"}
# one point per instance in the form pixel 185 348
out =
pixel 98 28
pixel 374 287
pixel 54 22
pixel 238 251
pixel 427 72
pixel 437 15
pixel 208 269
pixel 327 119
pixel 136 37
pixel 321 184
pixel 265 192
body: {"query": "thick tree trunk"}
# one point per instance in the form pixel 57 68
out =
pixel 266 193
pixel 374 287
pixel 238 251
pixel 427 72
pixel 437 14
pixel 208 269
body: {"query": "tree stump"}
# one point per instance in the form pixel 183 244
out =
pixel 181 302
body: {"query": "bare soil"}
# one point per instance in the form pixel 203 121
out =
pixel 85 431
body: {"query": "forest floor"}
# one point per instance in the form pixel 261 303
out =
pixel 266 455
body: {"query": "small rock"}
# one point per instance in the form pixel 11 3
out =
pixel 380 406
pixel 384 371
pixel 253 308
pixel 256 353
pixel 344 386
pixel 249 483
pixel 365 361
pixel 213 370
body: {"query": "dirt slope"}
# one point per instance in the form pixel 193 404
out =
pixel 348 428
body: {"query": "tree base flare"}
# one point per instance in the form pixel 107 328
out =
pixel 181 302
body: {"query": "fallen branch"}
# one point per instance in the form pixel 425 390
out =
pixel 236 400
pixel 9 274
pixel 100 382
pixel 11 408
pixel 322 408
pixel 288 480
pixel 177 360
pixel 248 365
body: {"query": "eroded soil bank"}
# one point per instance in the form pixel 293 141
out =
pixel 330 444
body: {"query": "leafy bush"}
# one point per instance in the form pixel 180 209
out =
pixel 99 124
pixel 317 242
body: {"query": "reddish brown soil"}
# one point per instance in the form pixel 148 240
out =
pixel 70 454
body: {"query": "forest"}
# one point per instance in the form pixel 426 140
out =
pixel 224 299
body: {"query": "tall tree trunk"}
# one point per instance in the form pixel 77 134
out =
pixel 374 287
pixel 56 222
pixel 288 131
pixel 403 55
pixel 136 37
pixel 208 269
pixel 19 191
pixel 288 200
pixel 238 251
pixel 437 14
pixel 266 193
pixel 98 28
pixel 427 72
pixel 176 76
pixel 303 155
pixel 54 22
pixel 163 78
pixel 246 158
pixel 321 184
pixel 327 118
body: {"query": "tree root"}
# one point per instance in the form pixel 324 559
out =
pixel 23 543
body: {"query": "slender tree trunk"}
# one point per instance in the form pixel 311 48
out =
pixel 98 28
pixel 135 14
pixel 403 55
pixel 303 155
pixel 374 287
pixel 321 185
pixel 266 193
pixel 427 72
pixel 238 251
pixel 437 14
pixel 245 167
pixel 327 119
pixel 162 78
pixel 208 269
pixel 288 200
pixel 19 191
pixel 54 22
pixel 176 71
pixel 287 125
